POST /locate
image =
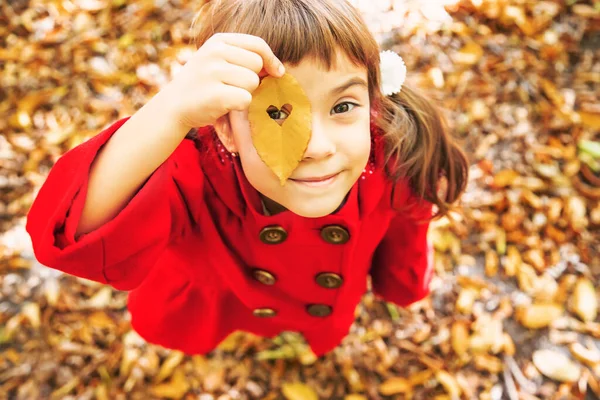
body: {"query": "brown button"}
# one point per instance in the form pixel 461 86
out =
pixel 273 235
pixel 264 277
pixel 264 312
pixel 318 310
pixel 335 234
pixel 329 280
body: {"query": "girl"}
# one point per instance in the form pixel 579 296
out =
pixel 204 235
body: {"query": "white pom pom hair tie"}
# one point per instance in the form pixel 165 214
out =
pixel 393 72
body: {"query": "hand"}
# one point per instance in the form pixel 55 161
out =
pixel 219 77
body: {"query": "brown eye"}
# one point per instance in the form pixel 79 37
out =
pixel 275 113
pixel 344 107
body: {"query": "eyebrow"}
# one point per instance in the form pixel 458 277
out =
pixel 349 83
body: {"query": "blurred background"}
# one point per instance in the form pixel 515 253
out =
pixel 513 313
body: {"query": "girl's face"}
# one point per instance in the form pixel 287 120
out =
pixel 338 150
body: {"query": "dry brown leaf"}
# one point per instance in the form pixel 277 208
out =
pixel 513 261
pixel 169 365
pixel 489 363
pixel 175 389
pixel 470 54
pixel 420 378
pixel 355 397
pixel 585 355
pixel 505 178
pixel 556 365
pixel 395 385
pixel 509 345
pixel 460 337
pixel 491 263
pixel 466 299
pixel 585 300
pixel 31 311
pixel 592 120
pixel 538 316
pixel 298 391
pixel 576 211
pixel 449 383
pixel 281 147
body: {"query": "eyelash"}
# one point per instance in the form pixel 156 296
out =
pixel 345 102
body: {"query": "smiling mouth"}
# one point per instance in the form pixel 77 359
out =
pixel 320 181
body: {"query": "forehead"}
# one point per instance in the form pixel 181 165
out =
pixel 313 73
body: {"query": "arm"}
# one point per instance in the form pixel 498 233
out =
pixel 128 159
pixel 403 262
pixel 133 232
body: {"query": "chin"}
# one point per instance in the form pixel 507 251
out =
pixel 314 211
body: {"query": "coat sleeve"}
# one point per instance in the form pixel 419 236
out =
pixel 122 251
pixel 403 261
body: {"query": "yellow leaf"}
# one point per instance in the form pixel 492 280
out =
pixel 505 178
pixel 355 397
pixel 31 311
pixel 101 299
pixel 589 119
pixel 508 345
pixel 395 385
pixel 280 142
pixel 539 315
pixel 175 389
pixel 298 391
pixel 489 363
pixel 466 299
pixel 420 378
pixel 586 355
pixel 460 337
pixel 556 365
pixel 470 54
pixel 513 261
pixel 491 262
pixel 166 369
pixel 585 301
pixel 449 383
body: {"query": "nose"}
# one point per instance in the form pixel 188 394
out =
pixel 320 145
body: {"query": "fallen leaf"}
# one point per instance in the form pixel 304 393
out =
pixel 175 389
pixel 298 391
pixel 586 355
pixel 168 366
pixel 395 385
pixel 585 300
pixel 460 337
pixel 449 383
pixel 538 316
pixel 556 365
pixel 281 147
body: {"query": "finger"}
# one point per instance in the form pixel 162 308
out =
pixel 242 57
pixel 242 77
pixel 235 98
pixel 256 44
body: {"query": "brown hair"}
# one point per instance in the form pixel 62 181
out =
pixel 418 145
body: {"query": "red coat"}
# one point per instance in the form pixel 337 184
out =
pixel 202 260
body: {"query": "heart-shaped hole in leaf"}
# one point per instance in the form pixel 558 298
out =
pixel 279 115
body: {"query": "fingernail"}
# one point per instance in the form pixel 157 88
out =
pixel 281 69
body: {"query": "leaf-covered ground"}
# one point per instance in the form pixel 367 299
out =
pixel 513 314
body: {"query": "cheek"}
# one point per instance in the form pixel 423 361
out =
pixel 357 146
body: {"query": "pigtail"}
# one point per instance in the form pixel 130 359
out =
pixel 420 149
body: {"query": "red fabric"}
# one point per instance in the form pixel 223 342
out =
pixel 186 243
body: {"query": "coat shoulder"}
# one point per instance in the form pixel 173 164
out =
pixel 405 200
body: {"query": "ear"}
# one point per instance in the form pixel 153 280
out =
pixel 225 132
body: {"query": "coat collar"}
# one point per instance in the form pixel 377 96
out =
pixel 225 175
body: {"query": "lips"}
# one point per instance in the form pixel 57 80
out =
pixel 315 179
